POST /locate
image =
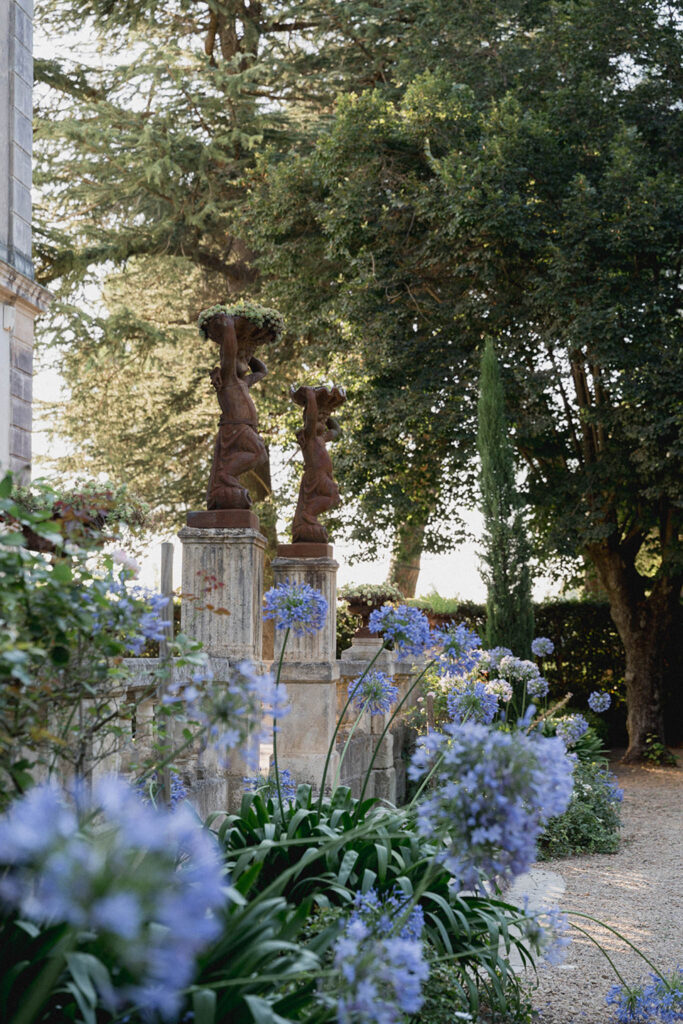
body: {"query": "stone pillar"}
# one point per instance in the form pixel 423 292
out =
pixel 317 567
pixel 310 669
pixel 383 780
pixel 222 597
pixel 222 589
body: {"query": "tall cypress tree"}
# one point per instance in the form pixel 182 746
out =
pixel 509 612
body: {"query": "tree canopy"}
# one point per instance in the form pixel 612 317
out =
pixel 498 170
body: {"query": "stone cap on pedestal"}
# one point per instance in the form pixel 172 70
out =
pixel 305 549
pixel 223 519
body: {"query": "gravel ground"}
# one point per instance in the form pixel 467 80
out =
pixel 637 891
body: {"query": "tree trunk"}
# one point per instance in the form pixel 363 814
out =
pixel 645 624
pixel 404 568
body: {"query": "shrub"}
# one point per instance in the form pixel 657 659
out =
pixel 591 822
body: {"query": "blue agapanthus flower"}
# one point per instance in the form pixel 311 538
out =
pixel 459 649
pixel 267 785
pixel 231 711
pixel 492 793
pixel 518 670
pixel 659 1002
pixel 374 692
pixel 389 914
pixel 548 930
pixel 490 660
pixel 407 627
pixel 295 606
pixel 599 701
pixel 147 882
pixel 382 972
pixel 537 687
pixel 571 728
pixel 149 790
pixel 542 647
pixel 472 702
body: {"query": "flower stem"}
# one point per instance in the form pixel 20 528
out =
pixel 343 753
pixel 425 781
pixel 386 730
pixel 275 764
pixel 340 720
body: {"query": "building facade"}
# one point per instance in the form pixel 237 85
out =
pixel 21 299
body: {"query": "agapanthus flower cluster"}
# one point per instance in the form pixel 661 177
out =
pixel 549 932
pixel 523 674
pixel 231 712
pixel 149 790
pixel 407 627
pixel 659 1002
pixel 472 701
pixel 458 650
pixel 267 785
pixel 570 728
pixel 130 612
pixel 492 792
pixel 537 687
pixel 374 692
pixel 148 884
pixel 517 670
pixel 599 701
pixel 502 689
pixel 295 606
pixel 542 647
pixel 389 914
pixel 382 973
pixel 490 660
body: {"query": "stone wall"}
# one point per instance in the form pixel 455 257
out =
pixel 21 299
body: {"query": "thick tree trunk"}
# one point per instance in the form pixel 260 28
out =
pixel 645 623
pixel 404 568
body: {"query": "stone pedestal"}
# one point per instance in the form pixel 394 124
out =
pixel 305 734
pixel 383 781
pixel 222 590
pixel 310 669
pixel 319 570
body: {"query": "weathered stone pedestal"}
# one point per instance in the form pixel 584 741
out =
pixel 383 781
pixel 222 595
pixel 310 668
pixel 223 585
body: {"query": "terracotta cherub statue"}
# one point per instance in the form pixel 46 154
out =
pixel 318 491
pixel 237 330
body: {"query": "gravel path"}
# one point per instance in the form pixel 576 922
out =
pixel 637 891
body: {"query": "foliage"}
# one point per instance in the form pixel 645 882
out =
pixel 657 753
pixel 592 821
pixel 268 319
pixel 659 1000
pixel 99 500
pixel 327 853
pixel 370 593
pixel 347 624
pixel 64 631
pixel 509 612
pixel 530 194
